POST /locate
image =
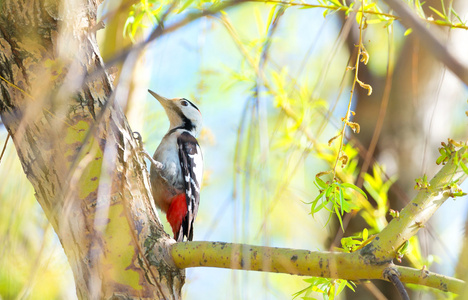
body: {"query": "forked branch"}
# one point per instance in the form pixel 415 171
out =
pixel 373 261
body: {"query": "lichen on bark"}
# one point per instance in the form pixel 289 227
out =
pixel 78 152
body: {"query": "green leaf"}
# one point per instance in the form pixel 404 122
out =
pixel 352 186
pixel 185 5
pixel 358 17
pixel 457 16
pixel 403 248
pixel 439 160
pixel 313 210
pixel 443 7
pixel 346 206
pixel 322 185
pixel 331 292
pixel 370 6
pixel 270 18
pixel 464 167
pixel 325 13
pixel 341 286
pixel 408 31
pixel 329 191
pixel 350 285
pixel 438 13
pixel 341 200
pixel 336 2
pixel 441 22
pixel 339 217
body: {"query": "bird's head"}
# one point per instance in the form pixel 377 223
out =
pixel 181 113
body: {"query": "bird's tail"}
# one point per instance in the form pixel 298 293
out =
pixel 176 214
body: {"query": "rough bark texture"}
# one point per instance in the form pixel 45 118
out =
pixel 78 152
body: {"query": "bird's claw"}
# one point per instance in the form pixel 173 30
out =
pixel 156 164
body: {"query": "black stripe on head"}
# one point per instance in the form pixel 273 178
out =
pixel 191 103
pixel 187 124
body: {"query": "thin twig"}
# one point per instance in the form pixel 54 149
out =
pixel 370 286
pixel 159 31
pixel 262 111
pixel 356 80
pixel 370 12
pixel 383 110
pixel 4 146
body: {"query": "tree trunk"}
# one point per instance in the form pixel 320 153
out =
pixel 78 151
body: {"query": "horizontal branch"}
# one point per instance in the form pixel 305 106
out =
pixel 349 266
pixel 259 258
pixel 368 11
pixel 426 278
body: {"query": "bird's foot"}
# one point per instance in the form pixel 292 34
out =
pixel 155 163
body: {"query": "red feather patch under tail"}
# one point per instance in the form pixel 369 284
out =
pixel 176 213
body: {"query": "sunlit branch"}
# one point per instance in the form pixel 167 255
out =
pixel 349 266
pixel 370 12
pixel 373 261
pixel 416 213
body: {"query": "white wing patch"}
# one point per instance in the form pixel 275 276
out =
pixel 198 168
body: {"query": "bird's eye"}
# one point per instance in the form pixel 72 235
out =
pixel 184 103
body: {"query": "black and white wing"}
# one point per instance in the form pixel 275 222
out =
pixel 191 162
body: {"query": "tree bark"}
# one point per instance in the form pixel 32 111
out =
pixel 78 151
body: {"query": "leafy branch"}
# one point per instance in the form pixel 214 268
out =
pixel 335 187
pixel 415 215
pixel 362 56
pixel 373 9
pixel 370 258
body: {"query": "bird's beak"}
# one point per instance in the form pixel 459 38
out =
pixel 164 101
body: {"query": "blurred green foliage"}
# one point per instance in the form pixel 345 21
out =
pixel 32 262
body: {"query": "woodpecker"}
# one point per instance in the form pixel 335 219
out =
pixel 176 183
